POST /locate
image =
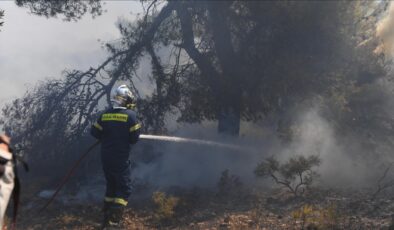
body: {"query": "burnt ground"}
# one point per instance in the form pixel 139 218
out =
pixel 203 209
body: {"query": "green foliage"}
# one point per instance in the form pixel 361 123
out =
pixel 297 174
pixel 165 206
pixel 229 61
pixel 69 9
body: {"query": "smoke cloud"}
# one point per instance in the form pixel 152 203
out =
pixel 339 165
pixel 190 165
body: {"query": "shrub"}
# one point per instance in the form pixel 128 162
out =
pixel 296 174
pixel 313 217
pixel 304 215
pixel 165 206
pixel 229 185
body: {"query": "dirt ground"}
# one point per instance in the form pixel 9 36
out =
pixel 199 209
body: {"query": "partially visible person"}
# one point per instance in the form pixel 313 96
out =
pixel 117 129
pixel 6 175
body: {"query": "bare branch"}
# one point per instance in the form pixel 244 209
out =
pixel 381 186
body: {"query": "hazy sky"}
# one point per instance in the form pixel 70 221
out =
pixel 34 48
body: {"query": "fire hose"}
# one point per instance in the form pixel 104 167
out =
pixel 69 174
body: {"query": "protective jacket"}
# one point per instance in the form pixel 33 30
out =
pixel 117 128
pixel 6 182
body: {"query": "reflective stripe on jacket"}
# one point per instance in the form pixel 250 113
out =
pixel 117 128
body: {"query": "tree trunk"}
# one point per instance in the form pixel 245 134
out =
pixel 229 120
pixel 225 85
pixel 229 116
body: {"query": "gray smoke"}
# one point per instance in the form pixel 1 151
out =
pixel 192 164
pixel 199 163
pixel 317 136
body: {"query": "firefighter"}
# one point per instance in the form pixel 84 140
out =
pixel 6 175
pixel 117 129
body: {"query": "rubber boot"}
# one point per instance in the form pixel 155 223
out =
pixel 106 214
pixel 113 217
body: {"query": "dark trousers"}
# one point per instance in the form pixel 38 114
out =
pixel 117 174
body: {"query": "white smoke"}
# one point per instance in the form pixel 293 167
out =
pixel 198 161
pixel 317 136
pixel 190 164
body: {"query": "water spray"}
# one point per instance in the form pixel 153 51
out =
pixel 191 141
